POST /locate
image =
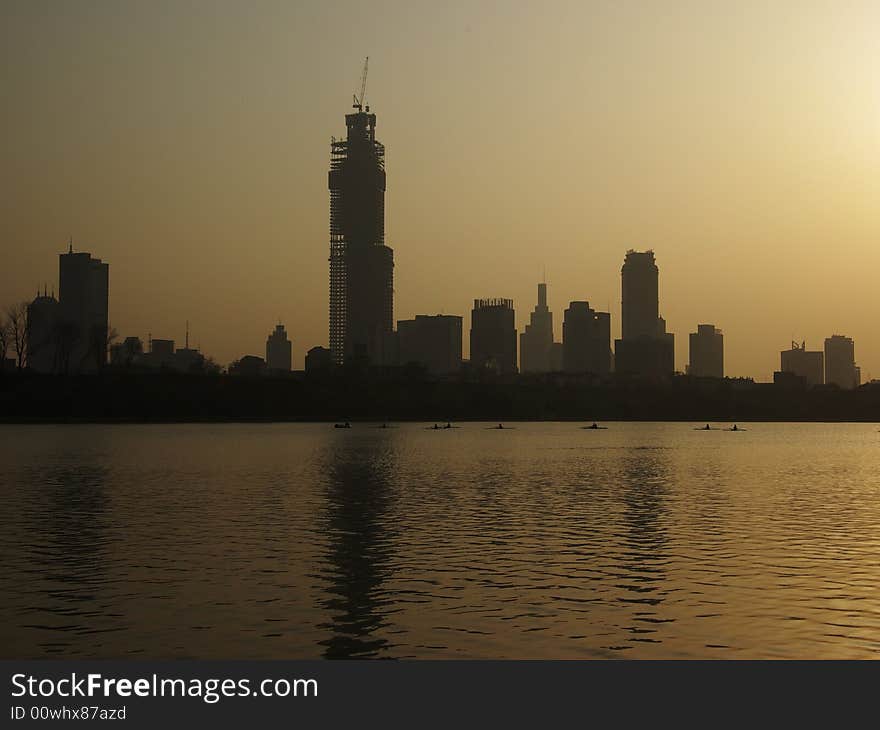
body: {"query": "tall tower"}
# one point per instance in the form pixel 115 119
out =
pixel 361 265
pixel 493 336
pixel 840 362
pixel 537 339
pixel 279 350
pixel 83 296
pixel 706 352
pixel 640 301
pixel 645 348
pixel 586 340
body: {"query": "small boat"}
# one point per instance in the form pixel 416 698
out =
pixel 735 428
pixel 594 427
pixel 342 425
pixel 707 427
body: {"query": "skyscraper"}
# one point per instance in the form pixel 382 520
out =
pixel 799 361
pixel 706 352
pixel 432 341
pixel 318 360
pixel 279 350
pixel 361 265
pixel 640 301
pixel 42 333
pixel 536 341
pixel 840 362
pixel 493 335
pixel 586 340
pixel 83 297
pixel 645 347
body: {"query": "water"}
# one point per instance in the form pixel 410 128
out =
pixel 646 540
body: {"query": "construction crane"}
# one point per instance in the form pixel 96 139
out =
pixel 359 100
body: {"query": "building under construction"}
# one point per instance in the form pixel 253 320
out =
pixel 361 265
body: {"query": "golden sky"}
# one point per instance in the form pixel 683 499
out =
pixel 187 143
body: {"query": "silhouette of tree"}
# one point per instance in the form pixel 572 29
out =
pixel 4 339
pixel 67 334
pixel 102 340
pixel 211 366
pixel 17 322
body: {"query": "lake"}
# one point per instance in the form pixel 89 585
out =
pixel 544 540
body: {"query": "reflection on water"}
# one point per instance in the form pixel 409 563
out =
pixel 644 477
pixel 66 541
pixel 298 540
pixel 357 502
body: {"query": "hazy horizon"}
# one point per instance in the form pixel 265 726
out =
pixel 188 146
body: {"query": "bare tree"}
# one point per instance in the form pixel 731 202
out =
pixel 18 323
pixel 110 338
pixel 4 339
pixel 66 339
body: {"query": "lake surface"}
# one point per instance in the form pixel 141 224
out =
pixel 646 540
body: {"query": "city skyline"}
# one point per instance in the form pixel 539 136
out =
pixel 198 254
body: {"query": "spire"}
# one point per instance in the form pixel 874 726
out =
pixel 187 334
pixel 70 245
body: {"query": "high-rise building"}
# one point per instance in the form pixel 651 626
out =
pixel 318 359
pixel 536 340
pixel 840 362
pixel 160 355
pixel 434 342
pixel 127 353
pixel 493 335
pixel 801 362
pixel 640 303
pixel 706 352
pixel 249 366
pixel 42 333
pixel 586 340
pixel 556 357
pixel 83 295
pixel 279 350
pixel 645 347
pixel 361 265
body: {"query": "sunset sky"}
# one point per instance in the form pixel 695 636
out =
pixel 187 144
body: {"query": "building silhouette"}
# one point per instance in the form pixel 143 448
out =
pixel 432 341
pixel 556 357
pixel 493 336
pixel 279 350
pixel 249 366
pixel 645 347
pixel 361 265
pixel 317 359
pixel 536 340
pixel 160 354
pixel 809 365
pixel 706 352
pixel 840 362
pixel 42 333
pixel 586 340
pixel 188 360
pixel 83 296
pixel 127 353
